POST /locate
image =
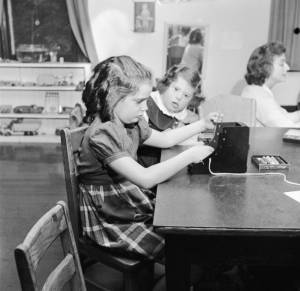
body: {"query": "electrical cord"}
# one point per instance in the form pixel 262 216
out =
pixel 250 174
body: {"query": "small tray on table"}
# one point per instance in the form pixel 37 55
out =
pixel 269 162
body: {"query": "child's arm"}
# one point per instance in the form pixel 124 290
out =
pixel 172 137
pixel 149 177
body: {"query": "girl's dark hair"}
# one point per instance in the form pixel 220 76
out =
pixel 188 74
pixel 112 80
pixel 196 36
pixel 260 63
pixel 185 30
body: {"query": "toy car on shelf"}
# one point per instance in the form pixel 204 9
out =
pixel 28 109
pixel 15 127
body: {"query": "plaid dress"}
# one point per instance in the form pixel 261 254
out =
pixel 116 213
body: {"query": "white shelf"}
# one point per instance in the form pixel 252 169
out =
pixel 39 88
pixel 43 65
pixel 30 139
pixel 34 115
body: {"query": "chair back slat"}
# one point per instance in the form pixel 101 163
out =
pixel 234 108
pixel 71 141
pixel 53 225
pixel 42 235
pixel 60 275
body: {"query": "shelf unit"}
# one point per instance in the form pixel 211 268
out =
pixel 37 83
pixel 47 138
pixel 33 116
pixel 38 88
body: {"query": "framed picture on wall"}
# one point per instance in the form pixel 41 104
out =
pixel 144 16
pixel 186 43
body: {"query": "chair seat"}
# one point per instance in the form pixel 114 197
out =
pixel 106 256
pixel 111 279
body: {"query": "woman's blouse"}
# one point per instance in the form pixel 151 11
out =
pixel 268 111
pixel 193 56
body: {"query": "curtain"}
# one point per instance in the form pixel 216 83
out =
pixel 1 10
pixel 285 27
pixel 78 16
pixel 5 49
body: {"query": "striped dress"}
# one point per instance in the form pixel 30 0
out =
pixel 116 213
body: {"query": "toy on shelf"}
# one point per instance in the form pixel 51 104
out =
pixel 51 102
pixel 6 108
pixel 46 80
pixel 28 109
pixel 65 109
pixel 18 127
pixel 75 118
pixel 31 53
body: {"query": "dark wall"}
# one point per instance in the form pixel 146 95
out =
pixel 45 22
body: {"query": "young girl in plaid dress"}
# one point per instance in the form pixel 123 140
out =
pixel 116 207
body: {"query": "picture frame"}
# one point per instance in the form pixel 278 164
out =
pixel 144 16
pixel 186 43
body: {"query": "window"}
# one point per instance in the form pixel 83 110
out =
pixel 41 26
pixel 285 27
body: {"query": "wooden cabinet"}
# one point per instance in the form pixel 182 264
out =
pixel 53 86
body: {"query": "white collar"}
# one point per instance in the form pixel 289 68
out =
pixel 157 99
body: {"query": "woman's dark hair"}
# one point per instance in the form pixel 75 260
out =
pixel 188 74
pixel 260 63
pixel 112 80
pixel 196 37
pixel 185 30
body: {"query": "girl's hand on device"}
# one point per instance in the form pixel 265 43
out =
pixel 199 152
pixel 211 119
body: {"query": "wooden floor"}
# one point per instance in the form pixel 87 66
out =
pixel 31 182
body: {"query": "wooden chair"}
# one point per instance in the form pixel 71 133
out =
pixel 234 108
pixel 55 223
pixel 131 270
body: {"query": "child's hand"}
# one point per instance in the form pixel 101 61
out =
pixel 199 152
pixel 211 119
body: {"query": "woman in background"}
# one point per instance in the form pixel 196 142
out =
pixel 267 67
pixel 193 53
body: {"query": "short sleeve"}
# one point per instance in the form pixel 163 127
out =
pixel 107 143
pixel 145 130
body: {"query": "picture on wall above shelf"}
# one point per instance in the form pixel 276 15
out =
pixel 144 16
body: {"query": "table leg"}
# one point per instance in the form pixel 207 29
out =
pixel 177 266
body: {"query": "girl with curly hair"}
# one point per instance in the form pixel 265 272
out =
pixel 169 105
pixel 115 203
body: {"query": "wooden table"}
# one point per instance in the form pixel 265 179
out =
pixel 217 219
